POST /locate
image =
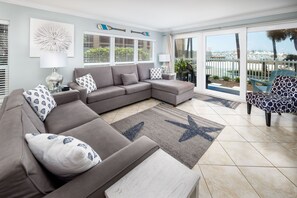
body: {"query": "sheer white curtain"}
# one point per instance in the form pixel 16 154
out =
pixel 169 50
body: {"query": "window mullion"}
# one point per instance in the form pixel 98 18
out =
pixel 112 51
pixel 135 51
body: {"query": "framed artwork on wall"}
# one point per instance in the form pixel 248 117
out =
pixel 51 36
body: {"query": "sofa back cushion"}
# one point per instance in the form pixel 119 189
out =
pixel 144 70
pixel 101 75
pixel 21 175
pixel 16 99
pixel 117 71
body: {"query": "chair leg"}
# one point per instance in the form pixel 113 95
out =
pixel 249 108
pixel 268 118
pixel 279 114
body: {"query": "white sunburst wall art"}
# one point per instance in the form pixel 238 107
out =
pixel 51 36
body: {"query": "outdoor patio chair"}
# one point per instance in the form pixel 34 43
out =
pixel 265 86
pixel 282 99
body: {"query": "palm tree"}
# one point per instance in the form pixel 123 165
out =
pixel 292 34
pixel 276 36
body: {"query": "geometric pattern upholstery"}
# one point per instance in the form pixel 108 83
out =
pixel 282 99
pixel 155 73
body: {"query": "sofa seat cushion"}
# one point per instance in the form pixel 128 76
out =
pixel 104 139
pixel 172 86
pixel 105 93
pixel 141 86
pixel 68 116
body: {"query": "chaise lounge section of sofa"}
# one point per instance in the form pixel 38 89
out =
pixel 112 94
pixel 22 175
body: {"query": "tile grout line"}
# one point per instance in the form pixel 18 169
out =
pixel 273 166
pixel 285 175
pixel 205 181
pixel 240 171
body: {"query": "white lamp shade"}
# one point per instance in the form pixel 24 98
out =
pixel 164 58
pixel 53 60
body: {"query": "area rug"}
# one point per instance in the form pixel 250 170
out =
pixel 184 136
pixel 217 101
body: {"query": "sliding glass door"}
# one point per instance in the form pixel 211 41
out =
pixel 271 51
pixel 185 58
pixel 224 61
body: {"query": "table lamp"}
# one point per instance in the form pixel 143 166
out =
pixel 164 58
pixel 53 60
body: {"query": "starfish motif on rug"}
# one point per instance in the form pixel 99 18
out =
pixel 133 131
pixel 193 129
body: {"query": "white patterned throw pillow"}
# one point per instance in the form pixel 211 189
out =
pixel 40 100
pixel 87 82
pixel 155 73
pixel 64 156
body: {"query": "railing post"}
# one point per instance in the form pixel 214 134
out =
pixel 233 70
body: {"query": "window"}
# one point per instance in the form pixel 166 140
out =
pixel 96 49
pixel 145 50
pixel 111 50
pixel 271 50
pixel 124 50
pixel 3 59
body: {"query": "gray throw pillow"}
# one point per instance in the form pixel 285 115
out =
pixel 129 79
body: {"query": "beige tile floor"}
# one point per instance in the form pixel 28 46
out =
pixel 247 159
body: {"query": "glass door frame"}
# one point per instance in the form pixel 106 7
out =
pixel 242 61
pixel 197 35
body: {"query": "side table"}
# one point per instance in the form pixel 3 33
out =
pixel 170 76
pixel 160 175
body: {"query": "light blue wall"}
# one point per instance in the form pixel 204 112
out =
pixel 25 71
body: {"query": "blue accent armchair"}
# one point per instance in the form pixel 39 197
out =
pixel 265 86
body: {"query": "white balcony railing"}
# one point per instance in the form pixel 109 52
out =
pixel 259 69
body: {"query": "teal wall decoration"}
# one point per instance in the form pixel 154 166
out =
pixel 143 33
pixel 108 27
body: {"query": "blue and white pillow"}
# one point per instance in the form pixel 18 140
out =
pixel 40 100
pixel 64 156
pixel 155 73
pixel 87 82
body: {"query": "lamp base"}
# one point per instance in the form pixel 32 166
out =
pixel 54 80
pixel 164 68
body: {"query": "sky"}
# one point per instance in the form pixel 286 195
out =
pixel 255 41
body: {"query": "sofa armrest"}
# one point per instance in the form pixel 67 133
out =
pixel 66 96
pixel 82 91
pixel 95 181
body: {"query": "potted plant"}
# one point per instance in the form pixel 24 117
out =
pixel 180 66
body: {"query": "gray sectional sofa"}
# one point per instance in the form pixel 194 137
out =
pixel 21 174
pixel 112 94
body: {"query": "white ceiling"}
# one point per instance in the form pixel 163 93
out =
pixel 165 15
